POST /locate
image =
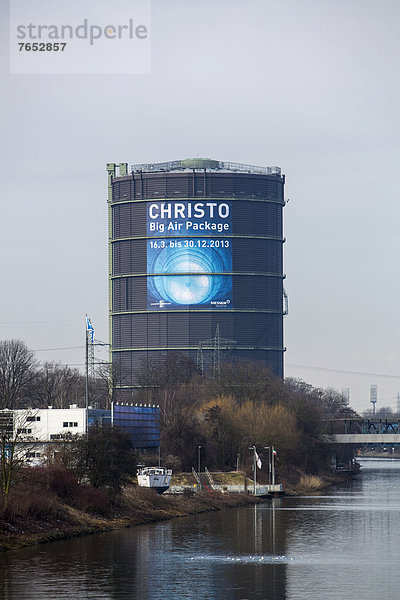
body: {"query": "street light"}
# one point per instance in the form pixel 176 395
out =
pixel 198 462
pixel 269 464
pixel 273 464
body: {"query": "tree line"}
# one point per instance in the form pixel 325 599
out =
pixel 225 413
pixel 242 406
pixel 24 382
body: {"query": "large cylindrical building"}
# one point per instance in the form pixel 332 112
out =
pixel 195 263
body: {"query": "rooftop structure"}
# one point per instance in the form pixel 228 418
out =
pixel 204 163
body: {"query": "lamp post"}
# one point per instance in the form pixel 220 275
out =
pixel 269 465
pixel 254 467
pixel 198 463
pixel 273 465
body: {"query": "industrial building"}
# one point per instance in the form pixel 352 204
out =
pixel 195 264
pixel 36 429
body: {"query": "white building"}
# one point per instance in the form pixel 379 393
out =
pixel 50 424
pixel 38 429
pixel 35 429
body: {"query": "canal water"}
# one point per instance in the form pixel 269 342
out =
pixel 343 544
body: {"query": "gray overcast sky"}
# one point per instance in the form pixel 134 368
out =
pixel 309 85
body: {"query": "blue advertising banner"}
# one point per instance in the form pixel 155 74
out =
pixel 189 254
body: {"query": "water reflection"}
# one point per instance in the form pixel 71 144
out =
pixel 339 545
pixel 231 554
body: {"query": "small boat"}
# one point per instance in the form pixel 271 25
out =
pixel 156 478
pixel 352 468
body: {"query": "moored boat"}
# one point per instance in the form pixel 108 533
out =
pixel 156 478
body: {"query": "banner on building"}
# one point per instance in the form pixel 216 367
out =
pixel 189 254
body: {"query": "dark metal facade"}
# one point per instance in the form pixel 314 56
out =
pixel 254 320
pixel 141 422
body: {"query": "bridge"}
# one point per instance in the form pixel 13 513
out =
pixel 362 431
pixel 361 439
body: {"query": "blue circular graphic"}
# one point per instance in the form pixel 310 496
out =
pixel 197 283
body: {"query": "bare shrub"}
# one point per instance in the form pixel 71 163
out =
pixel 61 484
pixel 94 501
pixel 309 483
pixel 23 504
pixel 56 480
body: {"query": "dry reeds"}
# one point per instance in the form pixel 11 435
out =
pixel 309 483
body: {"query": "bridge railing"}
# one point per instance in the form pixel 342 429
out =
pixel 368 425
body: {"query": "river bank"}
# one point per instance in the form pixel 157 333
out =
pixel 337 544
pixel 136 506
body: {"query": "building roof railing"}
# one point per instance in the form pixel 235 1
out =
pixel 204 163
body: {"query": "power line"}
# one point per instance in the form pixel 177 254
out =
pixel 368 373
pixel 346 362
pixel 71 364
pixel 44 321
pixel 53 349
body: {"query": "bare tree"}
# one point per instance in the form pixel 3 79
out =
pixel 159 379
pixel 245 380
pixel 17 370
pixel 105 457
pixel 7 449
pixel 56 385
pixel 180 428
pixel 108 377
pixel 13 449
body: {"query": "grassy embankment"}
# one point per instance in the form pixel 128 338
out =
pixel 49 504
